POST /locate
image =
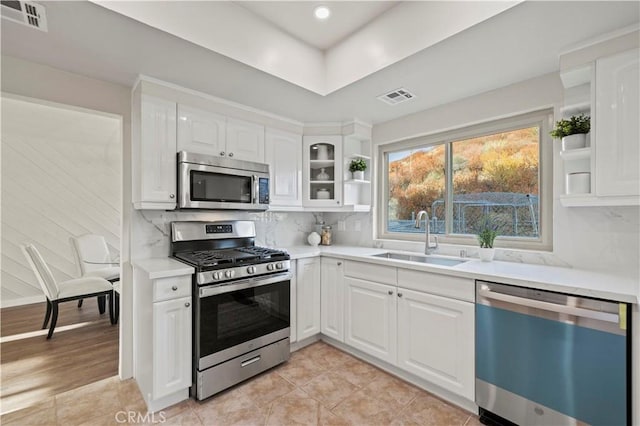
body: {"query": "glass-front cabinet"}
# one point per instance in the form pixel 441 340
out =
pixel 322 171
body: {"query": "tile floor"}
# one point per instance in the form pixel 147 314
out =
pixel 320 385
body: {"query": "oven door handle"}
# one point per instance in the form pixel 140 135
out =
pixel 242 284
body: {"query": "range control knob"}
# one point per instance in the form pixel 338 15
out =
pixel 216 275
pixel 271 267
pixel 251 270
pixel 279 265
pixel 229 274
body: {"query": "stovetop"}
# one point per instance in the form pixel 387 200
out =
pixel 207 260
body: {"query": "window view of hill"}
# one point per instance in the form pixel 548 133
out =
pixel 495 174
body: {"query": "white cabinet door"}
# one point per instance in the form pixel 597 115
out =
pixel 293 310
pixel 171 346
pixel 157 154
pixel 370 318
pixel 245 140
pixel 436 340
pixel 284 156
pixel 332 298
pixel 200 132
pixel 308 289
pixel 322 171
pixel 616 124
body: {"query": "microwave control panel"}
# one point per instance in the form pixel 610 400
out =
pixel 264 191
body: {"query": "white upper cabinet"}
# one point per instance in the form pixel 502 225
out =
pixel 199 131
pixel 154 153
pixel 284 156
pixel 617 147
pixel 322 171
pixel 245 141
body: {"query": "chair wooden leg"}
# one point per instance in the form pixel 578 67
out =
pixel 101 304
pixel 54 319
pixel 47 315
pixel 80 303
pixel 112 304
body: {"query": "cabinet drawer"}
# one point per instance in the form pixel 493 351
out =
pixel 441 285
pixel 371 272
pixel 171 288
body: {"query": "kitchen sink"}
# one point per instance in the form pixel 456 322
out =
pixel 431 260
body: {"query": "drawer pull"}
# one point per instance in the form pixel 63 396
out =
pixel 174 288
pixel 187 304
pixel 390 293
pixel 399 294
pixel 250 361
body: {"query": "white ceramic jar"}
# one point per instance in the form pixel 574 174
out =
pixel 578 183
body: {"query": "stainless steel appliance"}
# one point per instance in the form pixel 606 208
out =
pixel 241 300
pixel 546 358
pixel 208 182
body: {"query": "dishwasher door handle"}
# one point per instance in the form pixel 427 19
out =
pixel 547 306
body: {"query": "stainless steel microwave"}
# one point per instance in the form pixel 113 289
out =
pixel 214 183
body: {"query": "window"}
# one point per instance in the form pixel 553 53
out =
pixel 499 170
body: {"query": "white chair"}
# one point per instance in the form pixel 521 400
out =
pixel 94 260
pixel 64 291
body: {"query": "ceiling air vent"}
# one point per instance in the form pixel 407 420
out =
pixel 396 96
pixel 25 12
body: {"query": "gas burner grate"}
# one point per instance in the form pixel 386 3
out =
pixel 262 252
pixel 206 257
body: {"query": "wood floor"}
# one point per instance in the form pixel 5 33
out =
pixel 83 350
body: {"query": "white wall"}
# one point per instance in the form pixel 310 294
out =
pixel 606 239
pixel 60 178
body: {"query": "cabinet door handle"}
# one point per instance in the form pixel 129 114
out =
pixel 174 288
pixel 222 153
pixel 390 293
pixel 339 263
pixel 172 196
pixel 337 202
pixel 231 154
pixel 399 294
pixel 187 304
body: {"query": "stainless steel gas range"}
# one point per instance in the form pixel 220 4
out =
pixel 241 299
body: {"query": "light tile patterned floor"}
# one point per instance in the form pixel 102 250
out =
pixel 320 385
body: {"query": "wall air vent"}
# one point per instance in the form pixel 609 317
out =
pixel 24 12
pixel 396 96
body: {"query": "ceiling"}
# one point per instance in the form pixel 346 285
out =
pixel 519 43
pixel 296 18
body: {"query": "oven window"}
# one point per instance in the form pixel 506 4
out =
pixel 232 318
pixel 206 186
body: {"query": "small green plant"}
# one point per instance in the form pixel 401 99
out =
pixel 357 165
pixel 574 125
pixel 487 231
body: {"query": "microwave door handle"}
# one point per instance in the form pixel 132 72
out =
pixel 256 189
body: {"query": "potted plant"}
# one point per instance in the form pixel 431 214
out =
pixel 357 168
pixel 487 233
pixel 572 131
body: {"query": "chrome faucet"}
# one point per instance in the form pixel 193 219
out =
pixel 427 244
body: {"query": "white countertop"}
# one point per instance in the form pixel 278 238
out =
pixel 554 278
pixel 163 267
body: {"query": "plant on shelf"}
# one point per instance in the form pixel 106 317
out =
pixel 572 131
pixel 357 168
pixel 487 230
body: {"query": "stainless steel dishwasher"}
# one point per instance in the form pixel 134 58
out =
pixel 546 358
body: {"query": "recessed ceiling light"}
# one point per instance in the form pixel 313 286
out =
pixel 322 12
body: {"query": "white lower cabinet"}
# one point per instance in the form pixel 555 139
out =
pixel 293 310
pixel 332 298
pixel 162 331
pixel 171 362
pixel 308 295
pixel 436 340
pixel 370 318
